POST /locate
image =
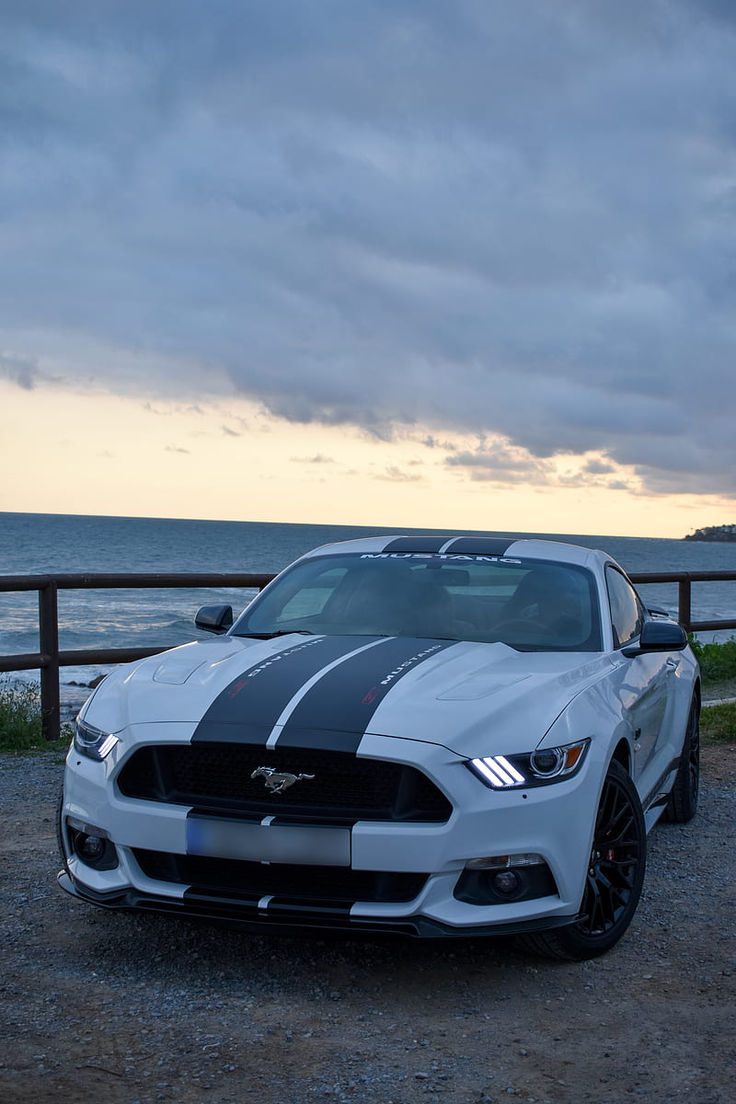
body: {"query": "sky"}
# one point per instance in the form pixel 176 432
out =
pixel 465 264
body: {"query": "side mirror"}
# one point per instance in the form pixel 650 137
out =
pixel 214 619
pixel 658 636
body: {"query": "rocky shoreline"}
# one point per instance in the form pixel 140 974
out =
pixel 717 533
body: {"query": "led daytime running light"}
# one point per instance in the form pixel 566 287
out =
pixel 498 772
pixel 536 768
pixel 92 742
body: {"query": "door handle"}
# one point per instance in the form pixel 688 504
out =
pixel 673 664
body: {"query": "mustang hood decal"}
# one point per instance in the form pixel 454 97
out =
pixel 331 691
pixel 331 684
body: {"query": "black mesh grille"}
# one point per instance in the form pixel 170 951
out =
pixel 316 885
pixel 216 778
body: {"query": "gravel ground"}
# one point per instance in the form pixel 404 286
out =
pixel 99 1007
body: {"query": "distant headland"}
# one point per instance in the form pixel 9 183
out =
pixel 714 533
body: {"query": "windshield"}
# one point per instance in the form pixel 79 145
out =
pixel 530 605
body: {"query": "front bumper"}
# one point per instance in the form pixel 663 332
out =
pixel 554 822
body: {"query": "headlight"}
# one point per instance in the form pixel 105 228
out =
pixel 91 741
pixel 539 768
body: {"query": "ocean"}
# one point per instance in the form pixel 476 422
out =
pixel 40 543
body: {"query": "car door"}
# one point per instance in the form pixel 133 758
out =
pixel 643 681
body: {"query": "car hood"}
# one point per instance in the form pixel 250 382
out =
pixel 472 698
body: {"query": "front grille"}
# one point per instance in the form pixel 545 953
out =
pixel 251 881
pixel 216 778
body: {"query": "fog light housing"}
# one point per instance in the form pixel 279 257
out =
pixel 91 845
pixel 500 879
pixel 507 882
pixel 503 862
pixel 90 848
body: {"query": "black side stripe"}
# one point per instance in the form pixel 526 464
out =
pixel 415 544
pixel 339 707
pixel 481 546
pixel 245 711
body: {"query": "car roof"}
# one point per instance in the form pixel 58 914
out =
pixel 451 546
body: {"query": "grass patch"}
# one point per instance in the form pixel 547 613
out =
pixel 20 720
pixel 718 724
pixel 717 661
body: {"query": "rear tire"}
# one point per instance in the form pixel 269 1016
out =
pixel 614 880
pixel 683 802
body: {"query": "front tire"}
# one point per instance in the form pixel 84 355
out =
pixel 614 880
pixel 683 802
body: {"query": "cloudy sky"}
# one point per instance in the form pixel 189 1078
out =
pixel 427 262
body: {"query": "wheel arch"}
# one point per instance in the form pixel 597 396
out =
pixel 622 755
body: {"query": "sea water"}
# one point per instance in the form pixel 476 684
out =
pixel 56 543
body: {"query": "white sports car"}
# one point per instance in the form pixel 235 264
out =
pixel 428 736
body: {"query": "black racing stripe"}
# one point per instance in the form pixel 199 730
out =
pixel 415 544
pixel 480 546
pixel 206 893
pixel 280 821
pixel 319 739
pixel 246 710
pixel 340 705
pixel 291 819
pixel 203 812
pixel 299 905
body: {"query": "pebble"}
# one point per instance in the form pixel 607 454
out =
pixel 196 1012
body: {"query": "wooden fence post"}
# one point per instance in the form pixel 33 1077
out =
pixel 48 624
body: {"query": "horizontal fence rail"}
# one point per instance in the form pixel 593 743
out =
pixel 48 659
pixel 684 580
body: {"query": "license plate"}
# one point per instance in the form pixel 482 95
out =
pixel 278 843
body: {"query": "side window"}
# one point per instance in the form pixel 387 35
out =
pixel 627 614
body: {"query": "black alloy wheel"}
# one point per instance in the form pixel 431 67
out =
pixel 683 802
pixel 614 878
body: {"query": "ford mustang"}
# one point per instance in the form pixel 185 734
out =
pixel 428 736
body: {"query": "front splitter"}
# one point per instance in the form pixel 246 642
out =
pixel 293 918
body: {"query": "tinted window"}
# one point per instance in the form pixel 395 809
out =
pixel 627 614
pixel 530 605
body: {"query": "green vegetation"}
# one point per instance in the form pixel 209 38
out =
pixel 717 661
pixel 718 724
pixel 20 720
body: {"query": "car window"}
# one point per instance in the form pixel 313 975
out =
pixel 627 612
pixel 530 605
pixel 311 598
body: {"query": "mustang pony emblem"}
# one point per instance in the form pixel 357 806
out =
pixel 278 781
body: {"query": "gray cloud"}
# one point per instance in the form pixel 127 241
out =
pixel 598 467
pixel 21 370
pixel 500 464
pixel 317 459
pixel 394 474
pixel 465 217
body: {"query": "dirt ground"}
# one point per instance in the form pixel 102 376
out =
pixel 118 1009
